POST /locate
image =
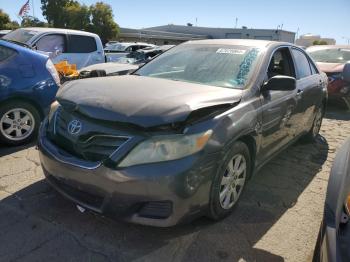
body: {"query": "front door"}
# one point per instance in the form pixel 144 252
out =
pixel 278 106
pixel 55 45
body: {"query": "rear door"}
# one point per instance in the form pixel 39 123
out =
pixel 278 106
pixel 83 51
pixel 309 89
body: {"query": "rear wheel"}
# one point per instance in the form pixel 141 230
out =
pixel 316 126
pixel 347 102
pixel 19 123
pixel 229 182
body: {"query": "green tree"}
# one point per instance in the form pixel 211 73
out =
pixel 30 21
pixel 102 22
pixel 77 16
pixel 5 21
pixel 319 42
pixel 53 11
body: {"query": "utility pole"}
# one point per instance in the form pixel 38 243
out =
pixel 297 33
pixel 347 39
pixel 33 8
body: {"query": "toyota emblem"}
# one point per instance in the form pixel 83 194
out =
pixel 74 127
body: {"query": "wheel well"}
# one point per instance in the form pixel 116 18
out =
pixel 31 102
pixel 250 142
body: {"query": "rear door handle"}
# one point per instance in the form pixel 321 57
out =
pixel 300 92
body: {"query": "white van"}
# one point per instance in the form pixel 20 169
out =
pixel 77 47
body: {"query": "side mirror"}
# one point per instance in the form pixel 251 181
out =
pixel 280 83
pixel 346 72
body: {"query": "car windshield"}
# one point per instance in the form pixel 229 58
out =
pixel 20 35
pixel 331 55
pixel 131 58
pixel 116 47
pixel 224 66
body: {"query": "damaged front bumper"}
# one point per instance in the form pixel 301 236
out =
pixel 158 194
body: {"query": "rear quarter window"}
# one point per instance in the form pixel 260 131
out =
pixel 81 44
pixel 6 53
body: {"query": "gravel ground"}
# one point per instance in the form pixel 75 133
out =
pixel 277 219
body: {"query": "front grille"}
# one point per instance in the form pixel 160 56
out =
pixel 90 145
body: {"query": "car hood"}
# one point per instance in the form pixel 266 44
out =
pixel 331 67
pixel 110 68
pixel 143 101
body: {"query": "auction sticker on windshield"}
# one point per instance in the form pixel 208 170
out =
pixel 230 51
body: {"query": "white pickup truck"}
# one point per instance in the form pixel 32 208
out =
pixel 77 47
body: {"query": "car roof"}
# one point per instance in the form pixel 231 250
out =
pixel 321 47
pixel 58 30
pixel 242 42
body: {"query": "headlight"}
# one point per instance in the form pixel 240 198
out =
pixel 52 69
pixel 53 109
pixel 165 148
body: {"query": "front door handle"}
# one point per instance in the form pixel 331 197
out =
pixel 300 92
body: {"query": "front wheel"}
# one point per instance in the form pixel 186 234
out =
pixel 229 182
pixel 19 123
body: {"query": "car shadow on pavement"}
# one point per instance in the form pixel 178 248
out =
pixel 7 150
pixel 337 113
pixel 37 224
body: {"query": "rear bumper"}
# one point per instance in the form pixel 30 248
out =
pixel 160 194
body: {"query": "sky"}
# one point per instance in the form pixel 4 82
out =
pixel 328 18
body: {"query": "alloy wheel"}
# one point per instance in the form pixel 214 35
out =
pixel 17 124
pixel 317 122
pixel 232 181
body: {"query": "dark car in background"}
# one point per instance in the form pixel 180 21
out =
pixel 331 59
pixel 28 85
pixel 181 136
pixel 334 238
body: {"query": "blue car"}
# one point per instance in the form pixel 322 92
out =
pixel 28 85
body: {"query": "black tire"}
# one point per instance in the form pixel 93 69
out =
pixel 33 123
pixel 216 210
pixel 316 126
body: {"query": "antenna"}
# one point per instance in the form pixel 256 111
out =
pixel 236 22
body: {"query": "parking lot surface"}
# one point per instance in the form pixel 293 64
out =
pixel 277 218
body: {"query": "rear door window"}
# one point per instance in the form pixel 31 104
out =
pixel 52 43
pixel 81 44
pixel 314 70
pixel 6 53
pixel 302 64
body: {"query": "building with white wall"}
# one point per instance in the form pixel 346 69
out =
pixel 174 34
